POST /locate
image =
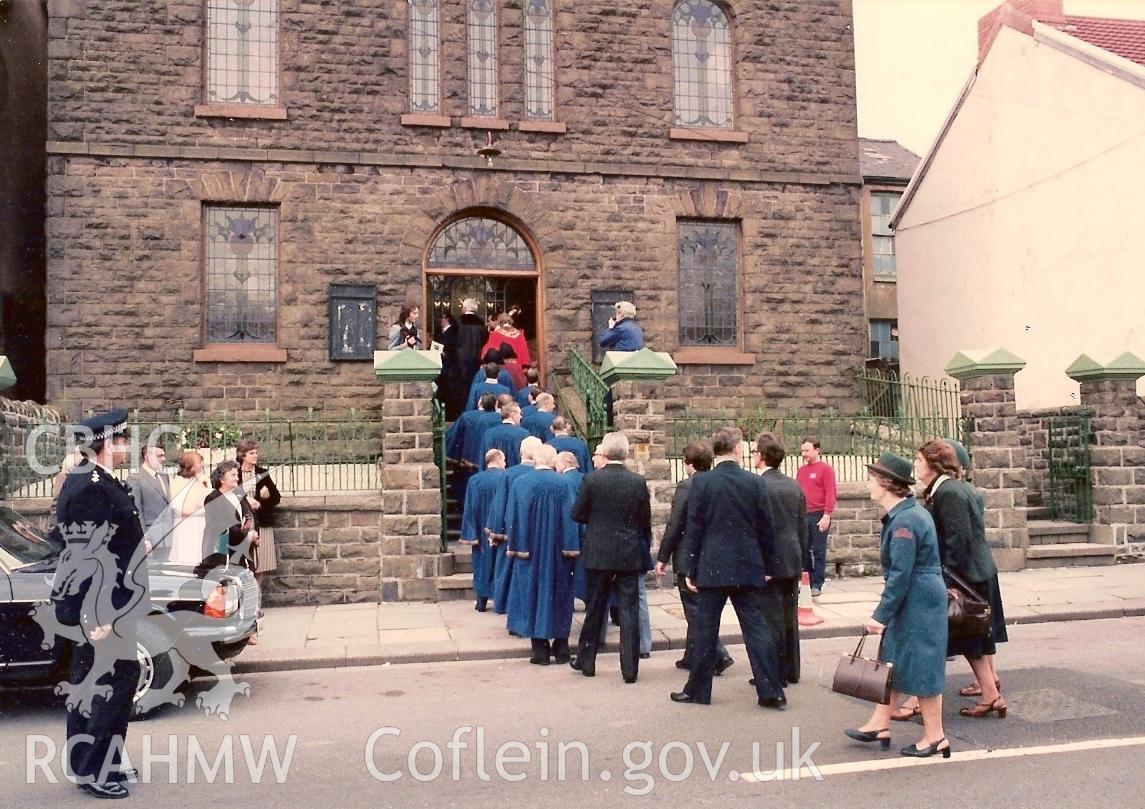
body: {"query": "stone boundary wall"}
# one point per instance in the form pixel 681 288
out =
pixel 1034 436
pixel 15 420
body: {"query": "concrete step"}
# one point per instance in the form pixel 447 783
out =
pixel 463 560
pixel 1070 554
pixel 457 587
pixel 1038 513
pixel 1047 532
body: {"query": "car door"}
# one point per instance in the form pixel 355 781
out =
pixel 22 655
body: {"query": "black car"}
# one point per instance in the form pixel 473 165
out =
pixel 198 619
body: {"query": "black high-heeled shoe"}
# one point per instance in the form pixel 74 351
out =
pixel 914 751
pixel 883 737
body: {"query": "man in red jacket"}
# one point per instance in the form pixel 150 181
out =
pixel 817 479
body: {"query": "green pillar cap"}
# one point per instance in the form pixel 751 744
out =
pixel 1125 366
pixel 7 375
pixel 969 364
pixel 645 364
pixel 407 365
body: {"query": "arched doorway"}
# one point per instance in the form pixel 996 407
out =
pixel 482 255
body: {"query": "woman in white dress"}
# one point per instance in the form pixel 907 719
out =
pixel 188 489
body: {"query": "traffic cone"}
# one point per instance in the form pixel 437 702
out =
pixel 807 616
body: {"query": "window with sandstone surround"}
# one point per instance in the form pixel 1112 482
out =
pixel 242 60
pixel 708 283
pixel 702 65
pixel 241 283
pixel 882 237
pixel 539 70
pixel 481 36
pixel 425 57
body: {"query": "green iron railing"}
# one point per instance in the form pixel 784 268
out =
pixel 1070 489
pixel 439 429
pixel 887 394
pixel 593 391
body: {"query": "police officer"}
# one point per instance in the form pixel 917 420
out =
pixel 101 587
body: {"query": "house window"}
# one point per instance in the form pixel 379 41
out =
pixel 242 52
pixel 425 56
pixel 539 60
pixel 702 65
pixel 708 283
pixel 885 339
pixel 481 23
pixel 241 269
pixel 882 237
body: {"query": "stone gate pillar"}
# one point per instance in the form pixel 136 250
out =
pixel 998 459
pixel 637 380
pixel 1117 457
pixel 411 493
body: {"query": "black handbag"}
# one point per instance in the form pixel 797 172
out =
pixel 861 677
pixel 967 614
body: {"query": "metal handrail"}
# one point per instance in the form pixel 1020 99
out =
pixel 593 391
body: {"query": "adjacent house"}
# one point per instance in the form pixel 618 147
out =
pixel 1021 227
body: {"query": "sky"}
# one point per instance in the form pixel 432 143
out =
pixel 912 58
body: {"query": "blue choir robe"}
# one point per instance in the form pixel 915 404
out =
pixel 527 411
pixel 577 446
pixel 479 495
pixel 463 446
pixel 543 542
pixel 503 378
pixel 506 437
pixel 573 479
pixel 495 528
pixel 540 424
pixel 522 396
pixel 478 388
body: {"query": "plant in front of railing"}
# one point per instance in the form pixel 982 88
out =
pixel 216 432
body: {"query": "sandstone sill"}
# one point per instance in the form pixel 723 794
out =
pixel 472 122
pixel 240 353
pixel 240 111
pixel 550 127
pixel 719 135
pixel 423 119
pixel 697 355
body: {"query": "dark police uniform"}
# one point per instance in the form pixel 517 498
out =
pixel 91 494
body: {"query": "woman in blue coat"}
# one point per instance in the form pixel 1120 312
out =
pixel 911 615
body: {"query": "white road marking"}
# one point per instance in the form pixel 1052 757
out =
pixel 875 765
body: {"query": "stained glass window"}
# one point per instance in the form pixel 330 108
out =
pixel 708 283
pixel 480 243
pixel 702 64
pixel 481 24
pixel 242 52
pixel 241 274
pixel 425 56
pixel 882 237
pixel 539 60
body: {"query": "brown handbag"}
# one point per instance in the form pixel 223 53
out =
pixel 858 676
pixel 967 615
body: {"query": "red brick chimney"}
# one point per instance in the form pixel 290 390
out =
pixel 1016 14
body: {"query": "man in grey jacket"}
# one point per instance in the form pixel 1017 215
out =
pixel 788 507
pixel 151 490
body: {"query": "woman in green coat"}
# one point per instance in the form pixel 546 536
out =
pixel 911 614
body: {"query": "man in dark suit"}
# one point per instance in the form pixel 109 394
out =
pixel 471 336
pixel 728 553
pixel 697 459
pixel 100 587
pixel 616 509
pixel 789 515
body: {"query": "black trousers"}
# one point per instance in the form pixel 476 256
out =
pixel 688 602
pixel 781 609
pixel 748 602
pixel 600 585
pixel 107 723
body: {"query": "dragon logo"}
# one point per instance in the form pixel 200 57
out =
pixel 113 611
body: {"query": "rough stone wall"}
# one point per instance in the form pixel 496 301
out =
pixel 853 543
pixel 1034 436
pixel 360 195
pixel 1117 457
pixel 17 420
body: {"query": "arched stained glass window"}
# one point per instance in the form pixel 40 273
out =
pixel 702 64
pixel 425 56
pixel 539 60
pixel 481 23
pixel 478 242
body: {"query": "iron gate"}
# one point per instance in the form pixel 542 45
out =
pixel 439 428
pixel 1070 491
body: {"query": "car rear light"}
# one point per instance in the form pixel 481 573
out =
pixel 222 602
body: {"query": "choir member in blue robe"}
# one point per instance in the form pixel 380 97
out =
pixel 564 441
pixel 543 542
pixel 502 564
pixel 540 421
pixel 507 436
pixel 463 443
pixel 487 382
pixel 479 496
pixel 572 476
pixel 527 395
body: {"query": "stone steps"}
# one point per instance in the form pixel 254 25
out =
pixel 458 587
pixel 1070 554
pixel 1046 532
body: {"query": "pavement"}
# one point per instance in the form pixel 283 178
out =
pixel 347 635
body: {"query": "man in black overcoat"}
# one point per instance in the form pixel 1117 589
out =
pixel 728 553
pixel 615 507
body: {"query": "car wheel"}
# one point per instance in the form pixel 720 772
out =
pixel 162 671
